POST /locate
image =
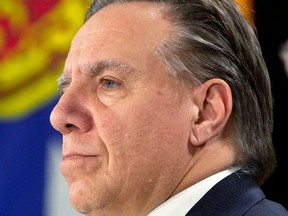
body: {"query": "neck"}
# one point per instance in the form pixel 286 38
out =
pixel 206 161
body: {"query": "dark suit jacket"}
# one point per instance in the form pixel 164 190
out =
pixel 237 194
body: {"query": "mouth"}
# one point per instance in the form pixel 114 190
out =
pixel 74 164
pixel 73 156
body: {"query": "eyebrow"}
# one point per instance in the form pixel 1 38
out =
pixel 108 64
pixel 95 69
pixel 63 82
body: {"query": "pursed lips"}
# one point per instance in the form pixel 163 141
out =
pixel 75 155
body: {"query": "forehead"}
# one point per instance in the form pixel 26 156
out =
pixel 141 24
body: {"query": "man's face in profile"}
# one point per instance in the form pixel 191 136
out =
pixel 125 119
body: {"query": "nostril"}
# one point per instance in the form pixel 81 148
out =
pixel 68 116
pixel 69 125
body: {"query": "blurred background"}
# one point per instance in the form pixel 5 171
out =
pixel 34 40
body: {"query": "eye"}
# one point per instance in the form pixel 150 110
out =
pixel 109 84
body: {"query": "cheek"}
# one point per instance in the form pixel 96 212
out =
pixel 138 138
pixel 141 133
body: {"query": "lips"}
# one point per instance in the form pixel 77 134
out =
pixel 76 165
pixel 75 155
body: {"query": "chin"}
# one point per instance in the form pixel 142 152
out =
pixel 87 196
pixel 80 197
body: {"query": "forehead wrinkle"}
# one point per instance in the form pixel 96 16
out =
pixel 108 30
pixel 97 68
pixel 88 33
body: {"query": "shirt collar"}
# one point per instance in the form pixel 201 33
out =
pixel 182 202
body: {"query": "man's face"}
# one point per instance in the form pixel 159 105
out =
pixel 125 119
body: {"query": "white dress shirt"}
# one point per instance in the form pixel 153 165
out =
pixel 182 202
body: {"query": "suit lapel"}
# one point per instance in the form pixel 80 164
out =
pixel 233 195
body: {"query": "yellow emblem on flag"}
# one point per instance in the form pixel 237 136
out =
pixel 34 40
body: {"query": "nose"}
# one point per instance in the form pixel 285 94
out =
pixel 70 114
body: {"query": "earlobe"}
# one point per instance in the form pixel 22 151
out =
pixel 214 101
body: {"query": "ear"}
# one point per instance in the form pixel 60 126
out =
pixel 213 100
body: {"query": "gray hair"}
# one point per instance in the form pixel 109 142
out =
pixel 211 39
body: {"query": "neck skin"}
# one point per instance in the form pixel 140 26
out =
pixel 207 160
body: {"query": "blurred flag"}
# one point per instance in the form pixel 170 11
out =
pixel 34 39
